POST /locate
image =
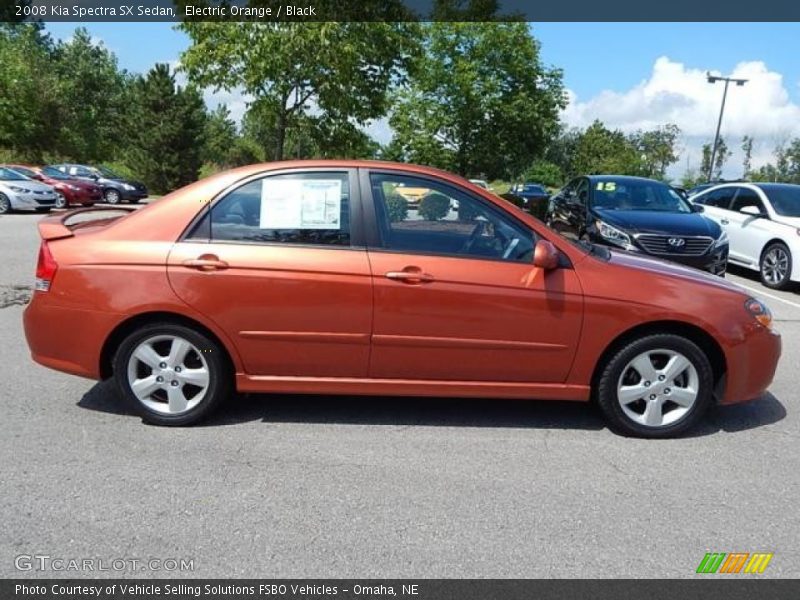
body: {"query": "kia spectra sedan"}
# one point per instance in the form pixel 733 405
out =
pixel 320 277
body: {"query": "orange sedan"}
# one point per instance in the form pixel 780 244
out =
pixel 314 277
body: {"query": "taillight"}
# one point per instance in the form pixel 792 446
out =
pixel 45 269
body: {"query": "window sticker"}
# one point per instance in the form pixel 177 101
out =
pixel 606 186
pixel 301 204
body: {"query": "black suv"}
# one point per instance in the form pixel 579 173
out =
pixel 116 189
pixel 638 215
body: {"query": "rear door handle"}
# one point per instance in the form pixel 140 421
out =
pixel 206 262
pixel 410 275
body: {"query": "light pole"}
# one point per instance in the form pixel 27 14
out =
pixel 714 79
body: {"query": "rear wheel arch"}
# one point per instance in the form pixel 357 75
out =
pixel 126 327
pixel 699 336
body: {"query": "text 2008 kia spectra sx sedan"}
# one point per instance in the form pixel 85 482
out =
pixel 321 277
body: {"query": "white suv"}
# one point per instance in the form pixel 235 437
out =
pixel 762 221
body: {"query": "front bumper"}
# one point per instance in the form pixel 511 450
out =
pixel 133 194
pixel 32 201
pixel 714 260
pixel 751 364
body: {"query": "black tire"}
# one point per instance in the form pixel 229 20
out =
pixel 5 205
pixel 612 373
pixel 766 266
pixel 112 196
pixel 61 200
pixel 220 376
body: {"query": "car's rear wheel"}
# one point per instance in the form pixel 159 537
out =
pixel 776 266
pixel 171 374
pixel 112 196
pixel 655 387
pixel 5 204
pixel 61 200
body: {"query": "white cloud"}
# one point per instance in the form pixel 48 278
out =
pixel 675 93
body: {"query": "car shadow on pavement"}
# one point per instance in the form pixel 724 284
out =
pixel 755 278
pixel 435 412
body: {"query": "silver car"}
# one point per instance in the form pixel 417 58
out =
pixel 18 192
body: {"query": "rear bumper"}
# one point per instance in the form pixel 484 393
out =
pixel 84 197
pixel 751 365
pixel 66 339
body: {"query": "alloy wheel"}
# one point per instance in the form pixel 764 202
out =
pixel 658 388
pixel 5 204
pixel 775 265
pixel 61 201
pixel 112 196
pixel 168 374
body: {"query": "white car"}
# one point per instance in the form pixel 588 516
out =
pixel 18 192
pixel 762 221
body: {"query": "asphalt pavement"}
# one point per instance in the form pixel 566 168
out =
pixel 300 486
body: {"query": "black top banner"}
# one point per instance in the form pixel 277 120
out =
pixel 399 10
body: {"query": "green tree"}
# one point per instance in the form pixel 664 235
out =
pixel 544 172
pixel 722 156
pixel 657 149
pixel 29 103
pixel 168 124
pixel 342 70
pixel 220 137
pixel 93 100
pixel 479 100
pixel 601 150
pixel 747 161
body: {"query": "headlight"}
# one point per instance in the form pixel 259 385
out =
pixel 128 187
pixel 19 190
pixel 612 234
pixel 759 311
pixel 721 240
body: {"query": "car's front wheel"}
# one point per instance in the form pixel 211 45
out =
pixel 5 204
pixel 61 200
pixel 171 374
pixel 112 196
pixel 776 266
pixel 655 387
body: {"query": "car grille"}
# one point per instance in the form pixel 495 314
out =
pixel 660 244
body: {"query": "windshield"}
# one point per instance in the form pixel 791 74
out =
pixel 9 175
pixel 631 194
pixel 25 171
pixel 106 172
pixel 785 199
pixel 534 189
pixel 54 173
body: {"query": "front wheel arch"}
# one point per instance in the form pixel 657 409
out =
pixel 125 328
pixel 695 334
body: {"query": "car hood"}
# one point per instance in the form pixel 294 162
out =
pixel 657 266
pixel 790 221
pixel 35 186
pixel 666 223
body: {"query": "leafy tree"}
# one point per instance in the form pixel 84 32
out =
pixel 29 104
pixel 601 150
pixel 341 71
pixel 220 137
pixel 434 206
pixel 479 100
pixel 722 156
pixel 93 100
pixel 561 151
pixel 657 149
pixel 168 124
pixel 747 161
pixel 544 172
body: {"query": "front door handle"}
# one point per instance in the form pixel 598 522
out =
pixel 206 262
pixel 724 221
pixel 411 275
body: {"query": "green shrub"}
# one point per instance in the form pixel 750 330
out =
pixel 434 206
pixel 397 207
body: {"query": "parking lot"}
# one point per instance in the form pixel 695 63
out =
pixel 283 486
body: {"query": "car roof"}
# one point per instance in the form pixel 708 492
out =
pixel 766 186
pixel 622 178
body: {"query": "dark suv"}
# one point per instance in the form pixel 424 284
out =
pixel 116 189
pixel 639 215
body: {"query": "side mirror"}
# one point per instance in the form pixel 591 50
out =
pixel 698 208
pixel 751 210
pixel 545 255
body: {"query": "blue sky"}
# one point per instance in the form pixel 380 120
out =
pixel 630 75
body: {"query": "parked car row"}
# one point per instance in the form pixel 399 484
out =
pixel 26 187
